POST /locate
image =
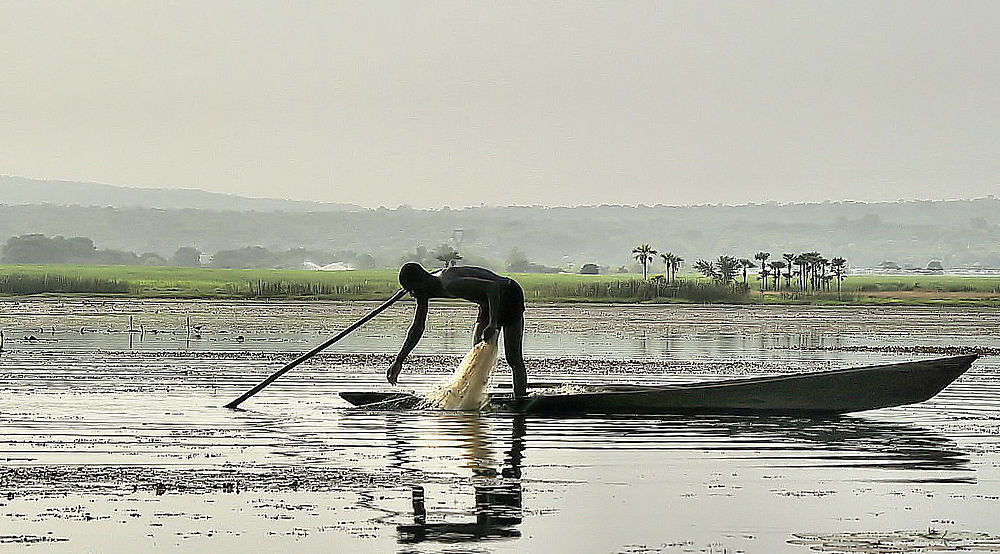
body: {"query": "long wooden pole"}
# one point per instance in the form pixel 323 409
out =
pixel 317 350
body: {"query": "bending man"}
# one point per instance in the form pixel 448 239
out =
pixel 501 307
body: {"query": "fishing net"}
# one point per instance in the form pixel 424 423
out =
pixel 468 388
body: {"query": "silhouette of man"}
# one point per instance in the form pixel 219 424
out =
pixel 501 307
pixel 499 500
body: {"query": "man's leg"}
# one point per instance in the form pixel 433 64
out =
pixel 513 334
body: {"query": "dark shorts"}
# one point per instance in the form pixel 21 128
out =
pixel 511 303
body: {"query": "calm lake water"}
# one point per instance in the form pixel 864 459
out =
pixel 116 441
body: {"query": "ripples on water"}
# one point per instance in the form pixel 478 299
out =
pixel 127 426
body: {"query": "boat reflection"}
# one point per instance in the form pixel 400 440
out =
pixel 856 442
pixel 499 500
pixel 835 442
pixel 902 451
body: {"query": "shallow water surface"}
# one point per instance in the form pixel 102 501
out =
pixel 114 438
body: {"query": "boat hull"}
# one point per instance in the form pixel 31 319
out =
pixel 827 392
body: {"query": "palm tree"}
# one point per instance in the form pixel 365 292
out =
pixel 727 267
pixel 824 279
pixel 707 269
pixel 812 266
pixel 644 254
pixel 762 258
pixel 800 261
pixel 674 265
pixel 776 268
pixel 667 258
pixel 745 264
pixel 789 261
pixel 671 262
pixel 839 267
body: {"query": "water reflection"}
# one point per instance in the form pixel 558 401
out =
pixel 465 452
pixel 839 442
pixel 498 495
pixel 852 442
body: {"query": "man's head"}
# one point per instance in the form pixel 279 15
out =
pixel 415 279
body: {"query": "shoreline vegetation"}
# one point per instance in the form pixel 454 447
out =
pixel 378 284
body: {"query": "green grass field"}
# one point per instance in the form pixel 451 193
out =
pixel 939 283
pixel 183 282
pixel 175 282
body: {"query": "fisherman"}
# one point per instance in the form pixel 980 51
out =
pixel 501 307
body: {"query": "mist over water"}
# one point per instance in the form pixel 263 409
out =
pixel 117 438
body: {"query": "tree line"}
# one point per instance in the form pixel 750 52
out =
pixel 40 249
pixel 809 271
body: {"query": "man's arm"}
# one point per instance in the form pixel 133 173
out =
pixel 493 295
pixel 412 338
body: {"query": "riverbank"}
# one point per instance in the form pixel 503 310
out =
pixel 377 284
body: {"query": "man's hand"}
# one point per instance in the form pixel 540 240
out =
pixel 392 374
pixel 489 334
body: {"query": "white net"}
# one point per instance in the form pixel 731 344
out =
pixel 468 388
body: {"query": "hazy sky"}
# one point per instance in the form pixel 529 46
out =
pixel 459 103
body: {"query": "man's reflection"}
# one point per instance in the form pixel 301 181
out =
pixel 498 495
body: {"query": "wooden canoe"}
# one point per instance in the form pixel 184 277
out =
pixel 824 392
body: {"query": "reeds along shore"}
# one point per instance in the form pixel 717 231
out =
pixel 170 282
pixel 22 284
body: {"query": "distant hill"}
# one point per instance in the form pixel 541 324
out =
pixel 20 190
pixel 958 233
